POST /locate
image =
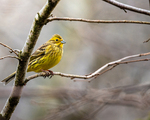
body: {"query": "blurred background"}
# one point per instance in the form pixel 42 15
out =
pixel 89 46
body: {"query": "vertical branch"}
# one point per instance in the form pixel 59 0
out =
pixel 38 23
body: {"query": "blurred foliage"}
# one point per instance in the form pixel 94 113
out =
pixel 146 118
pixel 89 46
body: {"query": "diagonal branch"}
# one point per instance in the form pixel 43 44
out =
pixel 146 40
pixel 95 21
pixel 98 72
pixel 128 7
pixel 11 50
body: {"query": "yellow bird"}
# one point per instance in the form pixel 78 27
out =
pixel 45 57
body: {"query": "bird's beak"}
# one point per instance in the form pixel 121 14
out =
pixel 63 42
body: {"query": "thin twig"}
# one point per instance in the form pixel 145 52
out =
pixel 104 71
pixel 95 21
pixel 9 56
pixel 98 72
pixel 126 62
pixel 116 62
pixel 11 50
pixel 112 66
pixel 128 7
pixel 146 41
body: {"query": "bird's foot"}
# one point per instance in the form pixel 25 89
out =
pixel 48 73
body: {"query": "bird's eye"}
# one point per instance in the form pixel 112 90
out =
pixel 56 39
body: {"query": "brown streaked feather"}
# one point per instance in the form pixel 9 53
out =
pixel 40 51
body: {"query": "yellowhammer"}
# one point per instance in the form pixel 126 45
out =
pixel 45 57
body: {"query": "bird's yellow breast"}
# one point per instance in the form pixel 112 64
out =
pixel 52 57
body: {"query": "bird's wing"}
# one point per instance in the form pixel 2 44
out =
pixel 39 52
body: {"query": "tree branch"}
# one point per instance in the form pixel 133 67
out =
pixel 35 30
pixel 95 21
pixel 146 41
pixel 11 50
pixel 9 56
pixel 128 7
pixel 98 72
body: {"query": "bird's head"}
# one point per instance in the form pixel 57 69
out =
pixel 57 40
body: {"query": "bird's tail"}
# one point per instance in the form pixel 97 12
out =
pixel 9 78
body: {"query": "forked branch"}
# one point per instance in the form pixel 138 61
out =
pixel 11 50
pixel 98 72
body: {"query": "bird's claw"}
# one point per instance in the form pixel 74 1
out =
pixel 48 73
